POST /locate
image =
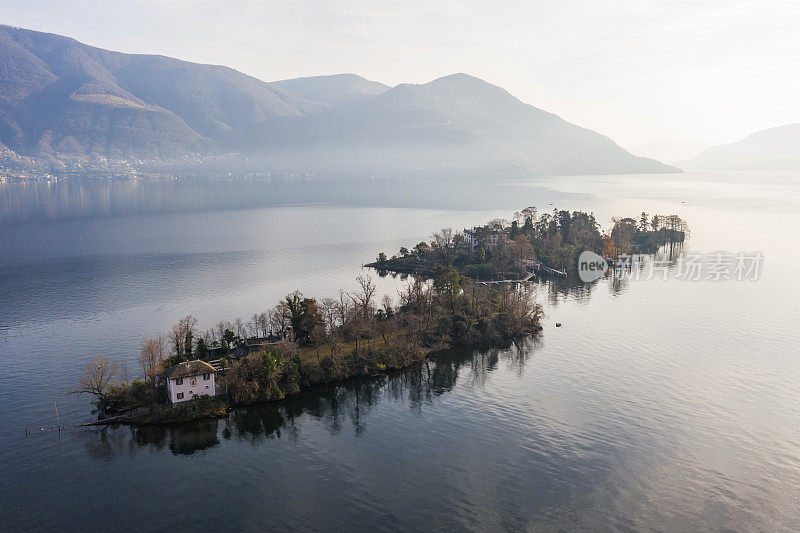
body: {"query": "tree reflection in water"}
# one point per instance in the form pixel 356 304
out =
pixel 336 405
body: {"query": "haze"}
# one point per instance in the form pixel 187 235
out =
pixel 634 70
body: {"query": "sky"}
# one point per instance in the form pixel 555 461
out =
pixel 635 70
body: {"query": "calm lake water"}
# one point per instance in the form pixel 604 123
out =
pixel 664 405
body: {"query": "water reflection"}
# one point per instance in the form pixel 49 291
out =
pixel 644 266
pixel 77 198
pixel 187 439
pixel 340 407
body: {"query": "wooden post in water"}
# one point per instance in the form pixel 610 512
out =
pixel 58 420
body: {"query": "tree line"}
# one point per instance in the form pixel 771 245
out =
pixel 502 249
pixel 304 341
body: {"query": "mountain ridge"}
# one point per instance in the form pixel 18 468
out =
pixel 332 89
pixel 62 99
pixel 776 148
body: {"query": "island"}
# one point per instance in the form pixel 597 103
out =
pixel 463 288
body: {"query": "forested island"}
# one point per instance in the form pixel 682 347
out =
pixel 530 243
pixel 445 303
pixel 301 342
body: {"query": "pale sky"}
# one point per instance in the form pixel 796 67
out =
pixel 634 70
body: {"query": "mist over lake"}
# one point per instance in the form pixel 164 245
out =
pixel 658 403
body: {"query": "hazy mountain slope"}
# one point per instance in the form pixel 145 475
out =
pixel 337 89
pixel 671 150
pixel 218 102
pixel 63 96
pixel 60 98
pixel 772 149
pixel 457 120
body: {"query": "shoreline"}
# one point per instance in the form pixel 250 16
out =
pixel 222 405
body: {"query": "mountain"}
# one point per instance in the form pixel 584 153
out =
pixel 670 150
pixel 771 149
pixel 337 89
pixel 458 121
pixel 61 99
pixel 60 96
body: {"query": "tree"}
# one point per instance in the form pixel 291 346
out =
pixel 442 244
pixel 98 374
pixel 381 258
pixel 303 314
pixel 386 302
pixel 279 319
pixel 202 348
pixel 177 338
pixel 643 224
pixel 363 308
pixel 293 305
pixel 241 330
pixel 623 234
pixel 228 338
pixel 363 297
pixel 655 222
pixel 268 375
pixel 185 328
pixel 447 282
pixel 497 223
pixel 152 357
pixel 333 318
pixel 564 224
pixel 404 251
pixel 529 217
pixel 527 227
pixel 328 310
pixel 610 250
pixel 188 343
pixel 260 324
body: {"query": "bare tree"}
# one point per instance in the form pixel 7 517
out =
pixel 442 243
pixel 330 314
pixel 220 327
pixel 152 356
pixel 497 223
pixel 263 324
pixel 363 297
pixel 252 326
pixel 342 308
pixel 328 308
pixel 98 374
pixel 529 213
pixel 279 319
pixel 259 325
pixel 241 331
pixel 364 313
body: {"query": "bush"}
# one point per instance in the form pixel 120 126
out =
pixel 200 407
pixel 268 375
pixel 481 271
pixel 132 395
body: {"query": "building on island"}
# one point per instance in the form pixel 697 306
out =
pixel 189 379
pixel 484 236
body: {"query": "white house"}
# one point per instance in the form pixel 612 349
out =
pixel 488 237
pixel 189 379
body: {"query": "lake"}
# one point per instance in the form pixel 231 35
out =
pixel 660 404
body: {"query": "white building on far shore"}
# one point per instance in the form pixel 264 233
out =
pixel 484 236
